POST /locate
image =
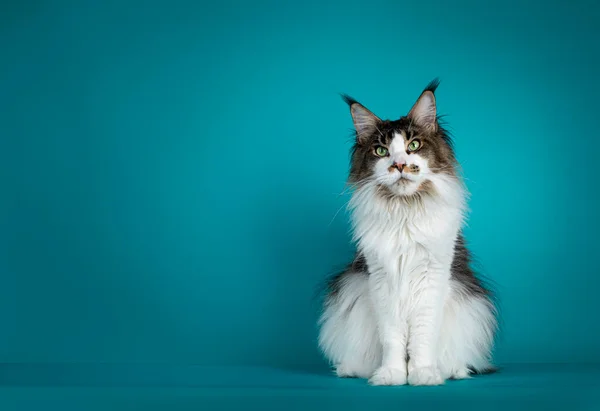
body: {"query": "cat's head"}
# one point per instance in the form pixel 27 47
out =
pixel 402 157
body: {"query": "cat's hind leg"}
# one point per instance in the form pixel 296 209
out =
pixel 466 336
pixel 348 330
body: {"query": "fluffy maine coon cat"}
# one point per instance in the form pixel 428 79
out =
pixel 408 309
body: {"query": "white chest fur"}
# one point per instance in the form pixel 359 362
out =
pixel 402 236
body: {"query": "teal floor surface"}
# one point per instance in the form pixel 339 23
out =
pixel 26 387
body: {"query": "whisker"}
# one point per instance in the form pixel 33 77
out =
pixel 354 185
pixel 337 212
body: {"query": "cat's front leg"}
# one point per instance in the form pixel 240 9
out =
pixel 424 324
pixel 392 327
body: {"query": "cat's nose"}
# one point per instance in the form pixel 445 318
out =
pixel 399 165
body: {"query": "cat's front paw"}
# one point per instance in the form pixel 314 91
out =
pixel 388 376
pixel 425 376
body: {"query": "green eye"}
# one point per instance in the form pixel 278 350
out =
pixel 381 151
pixel 414 145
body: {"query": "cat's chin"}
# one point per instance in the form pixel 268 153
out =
pixel 408 188
pixel 404 188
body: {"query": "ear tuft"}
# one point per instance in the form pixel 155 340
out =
pixel 433 85
pixel 349 100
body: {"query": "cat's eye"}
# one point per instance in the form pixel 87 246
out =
pixel 381 151
pixel 414 145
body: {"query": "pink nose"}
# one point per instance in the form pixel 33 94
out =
pixel 399 166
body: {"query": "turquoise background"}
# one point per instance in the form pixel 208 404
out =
pixel 170 171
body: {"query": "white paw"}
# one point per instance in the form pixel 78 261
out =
pixel 461 374
pixel 425 376
pixel 353 371
pixel 388 376
pixel 343 371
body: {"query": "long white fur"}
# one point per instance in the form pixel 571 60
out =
pixel 408 306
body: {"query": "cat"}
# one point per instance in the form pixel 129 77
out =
pixel 409 309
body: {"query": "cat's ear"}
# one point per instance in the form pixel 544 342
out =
pixel 365 122
pixel 424 112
